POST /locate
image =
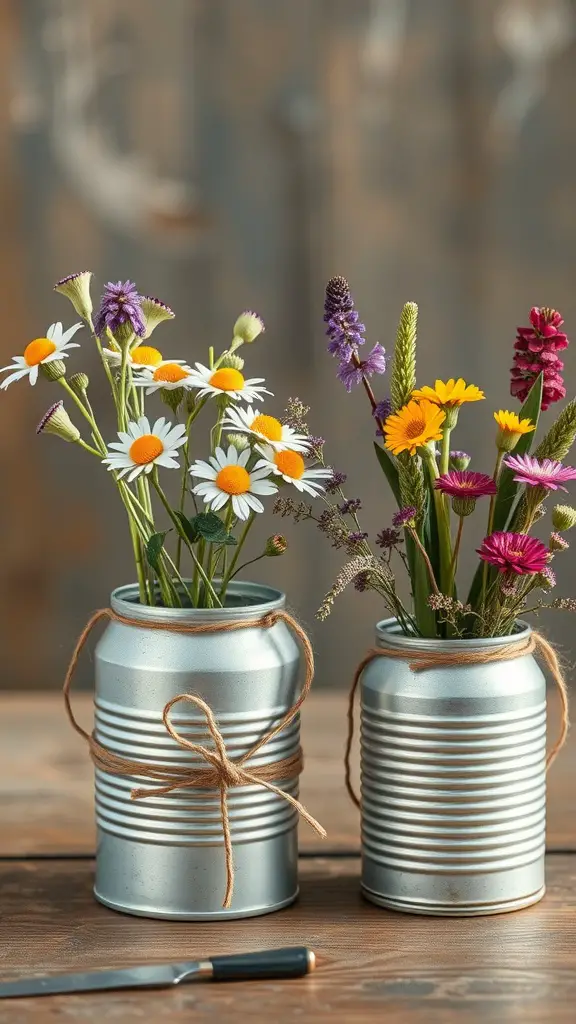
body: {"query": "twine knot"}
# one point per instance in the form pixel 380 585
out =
pixel 222 772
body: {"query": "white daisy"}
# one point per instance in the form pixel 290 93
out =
pixel 140 357
pixel 40 351
pixel 166 377
pixel 227 479
pixel 143 447
pixel 265 428
pixel 227 381
pixel 292 468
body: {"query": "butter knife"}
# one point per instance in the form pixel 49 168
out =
pixel 291 962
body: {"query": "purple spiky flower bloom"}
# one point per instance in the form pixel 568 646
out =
pixel 352 372
pixel 404 516
pixel 343 325
pixel 120 310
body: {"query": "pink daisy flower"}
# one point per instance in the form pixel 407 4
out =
pixel 463 483
pixel 514 552
pixel 545 473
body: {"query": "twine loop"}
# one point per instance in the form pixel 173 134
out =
pixel 424 661
pixel 221 772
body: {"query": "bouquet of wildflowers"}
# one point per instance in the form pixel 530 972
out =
pixel 251 453
pixel 437 487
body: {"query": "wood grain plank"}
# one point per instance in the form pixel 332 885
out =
pixel 373 964
pixel 46 779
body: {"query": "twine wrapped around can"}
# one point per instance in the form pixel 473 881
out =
pixel 222 772
pixel 421 661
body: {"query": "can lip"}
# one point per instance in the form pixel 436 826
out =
pixel 388 632
pixel 246 601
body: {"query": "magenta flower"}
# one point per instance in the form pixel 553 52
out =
pixel 514 552
pixel 463 483
pixel 544 473
pixel 537 350
pixel 404 516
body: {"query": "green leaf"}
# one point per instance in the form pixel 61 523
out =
pixel 187 526
pixel 154 549
pixel 507 487
pixel 210 527
pixel 389 470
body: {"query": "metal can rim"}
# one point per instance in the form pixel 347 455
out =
pixel 388 634
pixel 247 601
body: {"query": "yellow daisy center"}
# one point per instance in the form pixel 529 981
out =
pixel 170 372
pixel 145 449
pixel 146 355
pixel 38 350
pixel 233 479
pixel 268 426
pixel 227 379
pixel 290 464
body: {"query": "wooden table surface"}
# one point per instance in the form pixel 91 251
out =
pixel 374 964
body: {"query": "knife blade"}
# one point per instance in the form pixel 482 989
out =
pixel 290 962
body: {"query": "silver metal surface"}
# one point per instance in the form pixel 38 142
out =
pixel 149 976
pixel 164 856
pixel 453 781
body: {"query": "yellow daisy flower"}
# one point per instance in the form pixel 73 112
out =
pixel 413 426
pixel 451 393
pixel 510 429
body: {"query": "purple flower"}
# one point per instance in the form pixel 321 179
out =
pixel 459 460
pixel 544 473
pixel 389 538
pixel 404 516
pixel 343 325
pixel 547 578
pixel 334 483
pixel 350 506
pixel 383 410
pixel 315 446
pixel 351 372
pixel 362 581
pixel 120 310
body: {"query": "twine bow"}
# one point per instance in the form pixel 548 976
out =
pixel 423 661
pixel 222 772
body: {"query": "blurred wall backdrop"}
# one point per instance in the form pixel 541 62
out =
pixel 226 154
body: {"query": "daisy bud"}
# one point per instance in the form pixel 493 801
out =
pixel 238 441
pixel 247 328
pixel 154 312
pixel 231 361
pixel 563 517
pixel 459 460
pixel 79 382
pixel 172 397
pixel 57 421
pixel 275 545
pixel 76 287
pixel 54 370
pixel 557 542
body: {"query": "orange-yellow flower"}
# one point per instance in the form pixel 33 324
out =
pixel 414 425
pixel 451 393
pixel 510 429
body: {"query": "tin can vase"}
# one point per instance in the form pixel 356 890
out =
pixel 453 764
pixel 164 856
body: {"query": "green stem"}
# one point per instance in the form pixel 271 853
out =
pixel 443 520
pixel 165 502
pixel 89 448
pixel 244 564
pixel 105 363
pixel 445 451
pixel 86 414
pixel 491 511
pixel 414 534
pixel 454 562
pixel 241 541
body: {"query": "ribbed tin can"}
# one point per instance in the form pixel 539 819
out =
pixel 453 780
pixel 164 856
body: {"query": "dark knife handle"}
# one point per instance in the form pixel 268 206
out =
pixel 292 962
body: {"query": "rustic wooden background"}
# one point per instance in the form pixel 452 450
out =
pixel 226 154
